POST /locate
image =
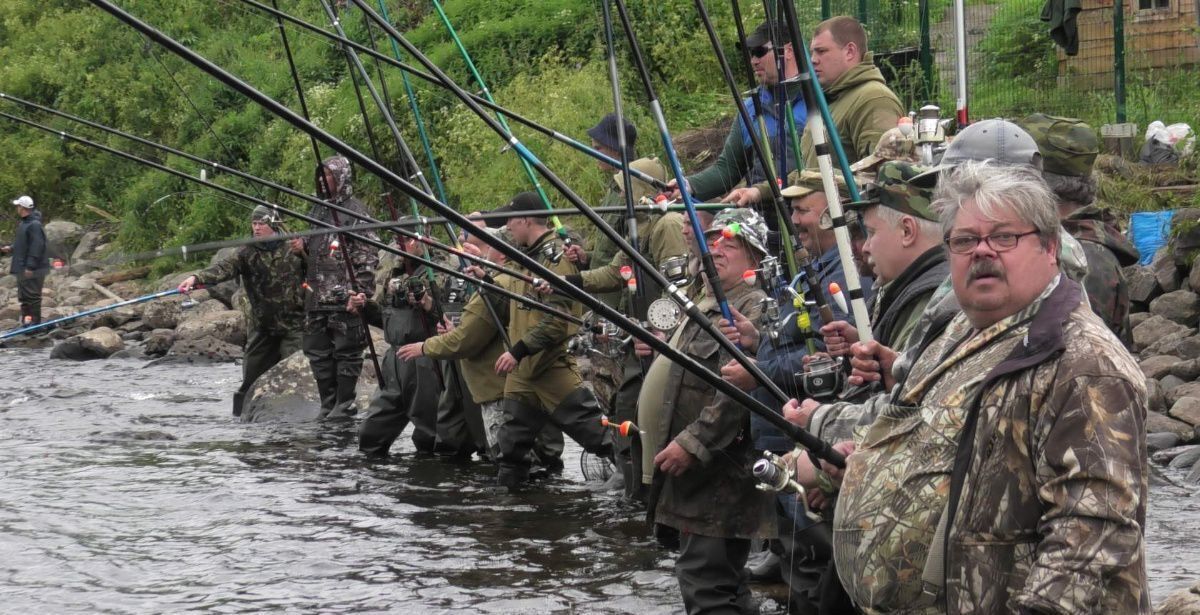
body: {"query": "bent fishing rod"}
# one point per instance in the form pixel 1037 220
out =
pixel 806 439
pixel 329 228
pixel 786 226
pixel 409 69
pixel 686 304
pixel 823 132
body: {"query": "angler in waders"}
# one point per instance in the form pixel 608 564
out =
pixel 29 262
pixel 272 276
pixel 411 300
pixel 334 333
pixel 543 384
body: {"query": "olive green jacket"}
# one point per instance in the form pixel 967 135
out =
pixel 862 107
pixel 539 340
pixel 661 238
pixel 476 343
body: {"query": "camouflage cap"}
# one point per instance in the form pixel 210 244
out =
pixel 266 214
pixel 894 189
pixel 641 189
pixel 893 145
pixel 1068 146
pixel 745 223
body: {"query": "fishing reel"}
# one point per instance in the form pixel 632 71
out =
pixel 456 291
pixel 769 321
pixel 608 340
pixel 416 287
pixel 774 475
pixel 338 295
pixel 551 252
pixel 823 378
pixel 675 270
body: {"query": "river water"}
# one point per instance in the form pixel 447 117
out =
pixel 126 487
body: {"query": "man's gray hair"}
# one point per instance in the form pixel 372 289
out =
pixel 926 229
pixel 1080 190
pixel 994 189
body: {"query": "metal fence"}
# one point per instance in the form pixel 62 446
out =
pixel 1015 68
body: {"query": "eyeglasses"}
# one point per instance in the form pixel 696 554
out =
pixel 760 51
pixel 999 242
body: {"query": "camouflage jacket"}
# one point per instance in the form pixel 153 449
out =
pixel 476 343
pixel 661 238
pixel 273 278
pixel 540 340
pixel 1107 251
pixel 404 323
pixel 327 277
pixel 1046 495
pixel 717 496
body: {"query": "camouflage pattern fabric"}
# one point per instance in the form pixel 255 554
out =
pixel 1050 514
pixel 744 223
pixel 893 145
pixel 1107 251
pixel 328 282
pixel 893 189
pixel 1068 146
pixel 273 278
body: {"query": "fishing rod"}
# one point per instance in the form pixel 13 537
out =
pixel 329 228
pixel 487 94
pixel 787 227
pixel 820 122
pixel 409 69
pixel 100 310
pixel 806 439
pixel 687 305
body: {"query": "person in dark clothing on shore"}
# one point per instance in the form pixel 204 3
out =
pixel 29 261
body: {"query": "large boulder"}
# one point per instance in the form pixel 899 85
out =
pixel 158 342
pixel 87 244
pixel 161 314
pixel 201 310
pixel 101 341
pixel 1160 423
pixel 1158 366
pixel 1181 306
pixel 287 393
pixel 1189 347
pixel 1156 398
pixel 227 326
pixel 1188 370
pixel 206 350
pixel 1165 270
pixel 1165 457
pixel 61 238
pixel 1186 459
pixel 1160 441
pixel 1157 330
pixel 1186 409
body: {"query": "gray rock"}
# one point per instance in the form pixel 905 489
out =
pixel 85 267
pixel 1165 270
pixel 101 341
pixel 1193 279
pixel 1159 423
pixel 222 255
pixel 115 318
pixel 132 336
pixel 62 237
pixel 1166 456
pixel 200 310
pixel 1189 347
pixel 227 326
pixel 1186 370
pixel 1181 306
pixel 161 314
pixel 1185 459
pixel 1159 441
pixel 1193 477
pixel 133 325
pixel 1186 409
pixel 211 350
pixel 72 350
pixel 287 392
pixel 87 243
pixel 159 341
pixel 1158 366
pixel 1169 383
pixel 1156 398
pixel 1156 330
pixel 132 352
pixel 1182 602
pixel 1187 389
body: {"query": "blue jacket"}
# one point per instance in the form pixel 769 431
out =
pixel 780 361
pixel 29 246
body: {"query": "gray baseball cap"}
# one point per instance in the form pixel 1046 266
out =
pixel 998 140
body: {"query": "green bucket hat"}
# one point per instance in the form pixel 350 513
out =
pixel 1068 146
pixel 894 189
pixel 744 223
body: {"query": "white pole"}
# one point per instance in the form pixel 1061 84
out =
pixel 960 46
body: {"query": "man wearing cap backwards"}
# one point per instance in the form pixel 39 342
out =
pixel 703 487
pixel 411 296
pixel 29 262
pixel 904 249
pixel 543 383
pixel 860 102
pixel 272 277
pixel 662 239
pixel 737 161
pixel 1007 474
pixel 334 335
pixel 1069 148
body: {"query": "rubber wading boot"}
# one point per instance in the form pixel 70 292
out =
pixel 239 399
pixel 344 406
pixel 519 429
pixel 578 415
pixel 327 391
